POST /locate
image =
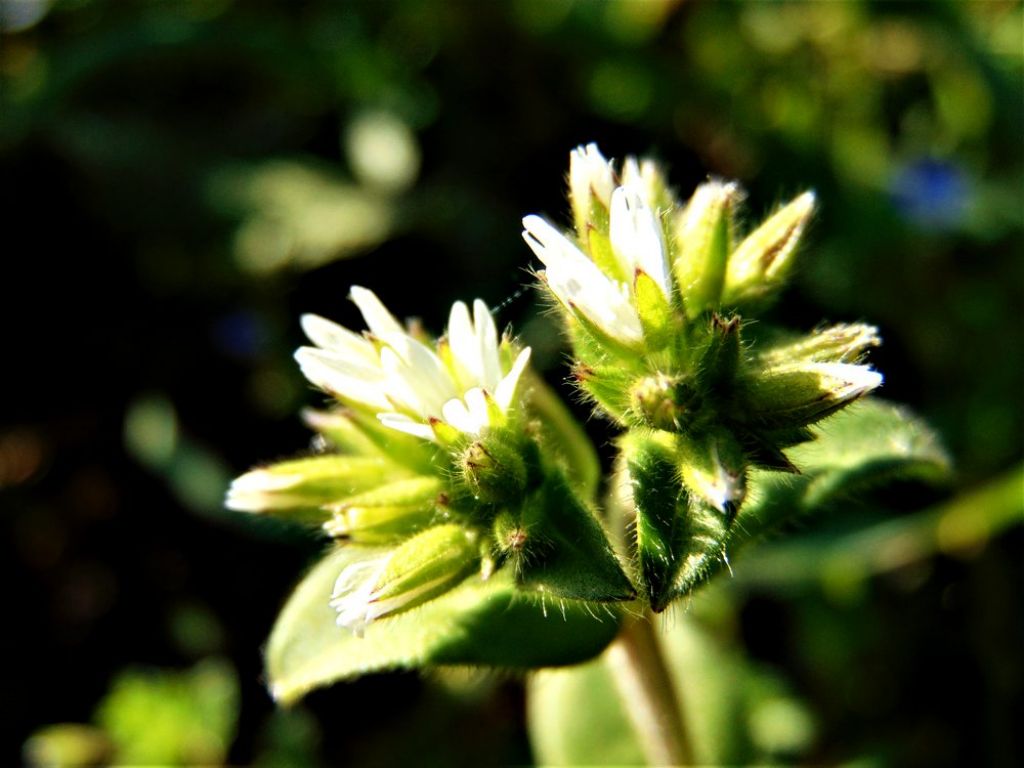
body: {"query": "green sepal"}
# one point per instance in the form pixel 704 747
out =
pixel 606 385
pixel 591 343
pixel 720 358
pixel 340 432
pixel 567 553
pixel 660 503
pixel 409 451
pixel 387 513
pixel 654 310
pixel 298 489
pixel 489 623
pixel 598 246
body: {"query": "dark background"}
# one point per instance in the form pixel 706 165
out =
pixel 179 181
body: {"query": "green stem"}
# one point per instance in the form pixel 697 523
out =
pixel 648 696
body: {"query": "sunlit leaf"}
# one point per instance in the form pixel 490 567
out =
pixel 488 623
pixel 868 444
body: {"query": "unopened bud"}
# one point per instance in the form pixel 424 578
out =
pixel 422 568
pixel 763 261
pixel 703 240
pixel 304 484
pixel 802 393
pixel 835 344
pixel 387 513
pixel 591 182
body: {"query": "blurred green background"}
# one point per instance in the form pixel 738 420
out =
pixel 181 180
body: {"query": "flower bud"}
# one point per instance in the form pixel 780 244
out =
pixel 802 393
pixel 422 568
pixel 835 344
pixel 387 513
pixel 703 239
pixel 646 175
pixel 591 182
pixel 303 484
pixel 763 261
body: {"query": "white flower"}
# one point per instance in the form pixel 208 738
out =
pixel 355 593
pixel 637 244
pixel 406 383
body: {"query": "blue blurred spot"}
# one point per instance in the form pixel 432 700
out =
pixel 931 193
pixel 242 334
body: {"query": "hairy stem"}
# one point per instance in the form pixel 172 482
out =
pixel 649 698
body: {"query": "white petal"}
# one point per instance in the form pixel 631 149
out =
pixel 604 302
pixel 577 281
pixel 505 392
pixel 422 371
pixel 456 414
pixel 341 378
pixel 330 335
pixel 376 315
pixel 462 340
pixel 487 345
pixel 403 423
pixel 354 592
pixel 636 237
pixel 476 403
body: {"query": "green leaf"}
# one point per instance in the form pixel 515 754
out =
pixel 489 623
pixel 159 717
pixel 868 444
pixel 571 557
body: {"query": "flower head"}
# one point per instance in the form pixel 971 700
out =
pixel 411 387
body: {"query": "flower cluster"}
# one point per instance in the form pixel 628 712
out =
pixel 651 292
pixel 432 452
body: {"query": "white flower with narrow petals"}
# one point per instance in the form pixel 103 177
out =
pixel 408 384
pixel 636 241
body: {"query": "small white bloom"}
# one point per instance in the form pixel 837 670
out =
pixel 637 244
pixel 354 595
pixel 404 381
